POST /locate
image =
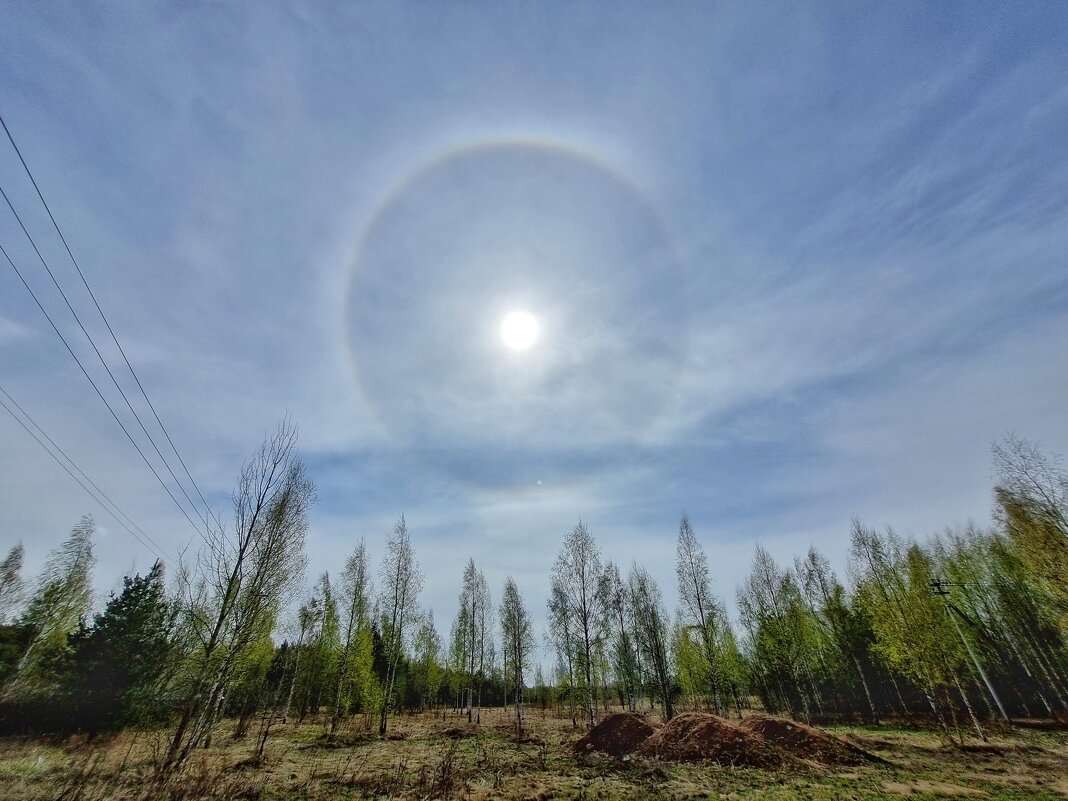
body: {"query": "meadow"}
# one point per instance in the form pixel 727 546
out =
pixel 427 756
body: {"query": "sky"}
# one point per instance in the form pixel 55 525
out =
pixel 791 263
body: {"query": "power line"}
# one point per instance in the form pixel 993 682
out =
pixel 73 464
pixel 99 355
pixel 103 317
pixel 92 494
pixel 100 394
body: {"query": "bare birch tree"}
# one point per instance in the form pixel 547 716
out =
pixel 517 639
pixel 561 637
pixel 651 631
pixel 237 584
pixel 401 583
pixel 615 603
pixel 698 605
pixel 576 574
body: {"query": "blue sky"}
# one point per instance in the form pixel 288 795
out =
pixel 792 263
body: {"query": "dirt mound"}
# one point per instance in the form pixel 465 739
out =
pixel 805 741
pixel 699 737
pixel 458 732
pixel 617 735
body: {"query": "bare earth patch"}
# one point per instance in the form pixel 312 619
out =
pixel 696 736
pixel 616 735
pixel 805 741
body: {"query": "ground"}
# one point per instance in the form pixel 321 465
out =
pixel 427 757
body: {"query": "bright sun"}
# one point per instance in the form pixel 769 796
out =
pixel 519 330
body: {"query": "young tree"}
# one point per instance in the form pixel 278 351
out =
pixel 62 599
pixel 826 598
pixel 650 625
pixel 429 673
pixel 484 644
pixel 615 603
pixel 308 619
pixel 468 616
pixel 11 582
pixel 324 651
pixel 698 605
pixel 576 573
pixel 913 634
pixel 561 637
pixel 234 590
pixel 115 667
pixel 399 599
pixel 781 635
pixel 355 592
pixel 1032 507
pixel 517 638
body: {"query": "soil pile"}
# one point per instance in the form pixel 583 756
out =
pixel 459 732
pixel 617 735
pixel 805 741
pixel 699 737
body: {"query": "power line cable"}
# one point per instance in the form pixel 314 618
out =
pixel 99 355
pixel 92 494
pixel 100 394
pixel 103 317
pixel 81 472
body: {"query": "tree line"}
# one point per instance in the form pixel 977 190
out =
pixel 966 627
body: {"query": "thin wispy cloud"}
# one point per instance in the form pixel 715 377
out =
pixel 790 265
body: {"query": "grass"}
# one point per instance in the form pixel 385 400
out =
pixel 422 761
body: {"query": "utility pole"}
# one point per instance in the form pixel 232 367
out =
pixel 940 586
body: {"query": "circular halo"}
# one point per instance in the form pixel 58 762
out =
pixel 487 229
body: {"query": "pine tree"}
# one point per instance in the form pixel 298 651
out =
pixel 113 675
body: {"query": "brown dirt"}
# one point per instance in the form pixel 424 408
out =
pixel 805 741
pixel 459 732
pixel 616 735
pixel 699 737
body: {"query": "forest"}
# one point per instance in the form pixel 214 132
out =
pixel 959 634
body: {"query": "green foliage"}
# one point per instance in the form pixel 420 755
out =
pixel 111 675
pixel 56 609
pixel 969 621
pixel 427 670
pixel 785 637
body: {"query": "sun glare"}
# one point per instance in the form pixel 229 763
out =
pixel 519 330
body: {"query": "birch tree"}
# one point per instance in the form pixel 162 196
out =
pixel 63 596
pixel 698 606
pixel 11 582
pixel 561 638
pixel 781 635
pixel 576 573
pixel 354 592
pixel 235 588
pixel 615 603
pixel 517 640
pixel 399 602
pixel 651 631
pixel 1032 508
pixel 427 647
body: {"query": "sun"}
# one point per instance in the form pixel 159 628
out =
pixel 519 330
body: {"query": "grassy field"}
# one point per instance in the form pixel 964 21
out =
pixel 427 757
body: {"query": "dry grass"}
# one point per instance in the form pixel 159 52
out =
pixel 428 757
